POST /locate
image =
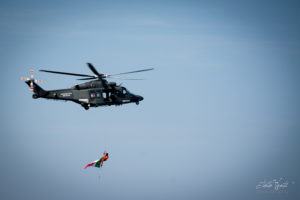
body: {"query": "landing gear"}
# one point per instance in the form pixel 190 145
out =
pixel 35 96
pixel 85 106
pixel 137 103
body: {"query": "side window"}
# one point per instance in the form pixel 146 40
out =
pixel 98 94
pixel 124 91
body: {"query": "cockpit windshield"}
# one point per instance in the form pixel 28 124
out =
pixel 125 91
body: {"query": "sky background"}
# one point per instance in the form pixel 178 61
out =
pixel 220 114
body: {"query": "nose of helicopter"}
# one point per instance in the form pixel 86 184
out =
pixel 137 99
pixel 140 98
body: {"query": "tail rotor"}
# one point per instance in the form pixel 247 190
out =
pixel 31 79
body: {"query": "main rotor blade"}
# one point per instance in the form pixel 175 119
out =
pixel 132 79
pixel 94 70
pixel 66 73
pixel 82 79
pixel 143 70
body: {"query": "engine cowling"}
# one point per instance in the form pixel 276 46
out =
pixel 112 84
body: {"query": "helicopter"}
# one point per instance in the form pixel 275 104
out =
pixel 94 93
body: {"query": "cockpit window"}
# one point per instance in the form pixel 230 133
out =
pixel 124 91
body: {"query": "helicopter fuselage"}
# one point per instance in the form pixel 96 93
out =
pixel 89 94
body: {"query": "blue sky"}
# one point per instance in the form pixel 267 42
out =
pixel 220 110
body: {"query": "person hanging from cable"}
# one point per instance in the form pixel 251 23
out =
pixel 98 163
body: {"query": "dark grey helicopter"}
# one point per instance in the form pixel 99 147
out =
pixel 98 92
